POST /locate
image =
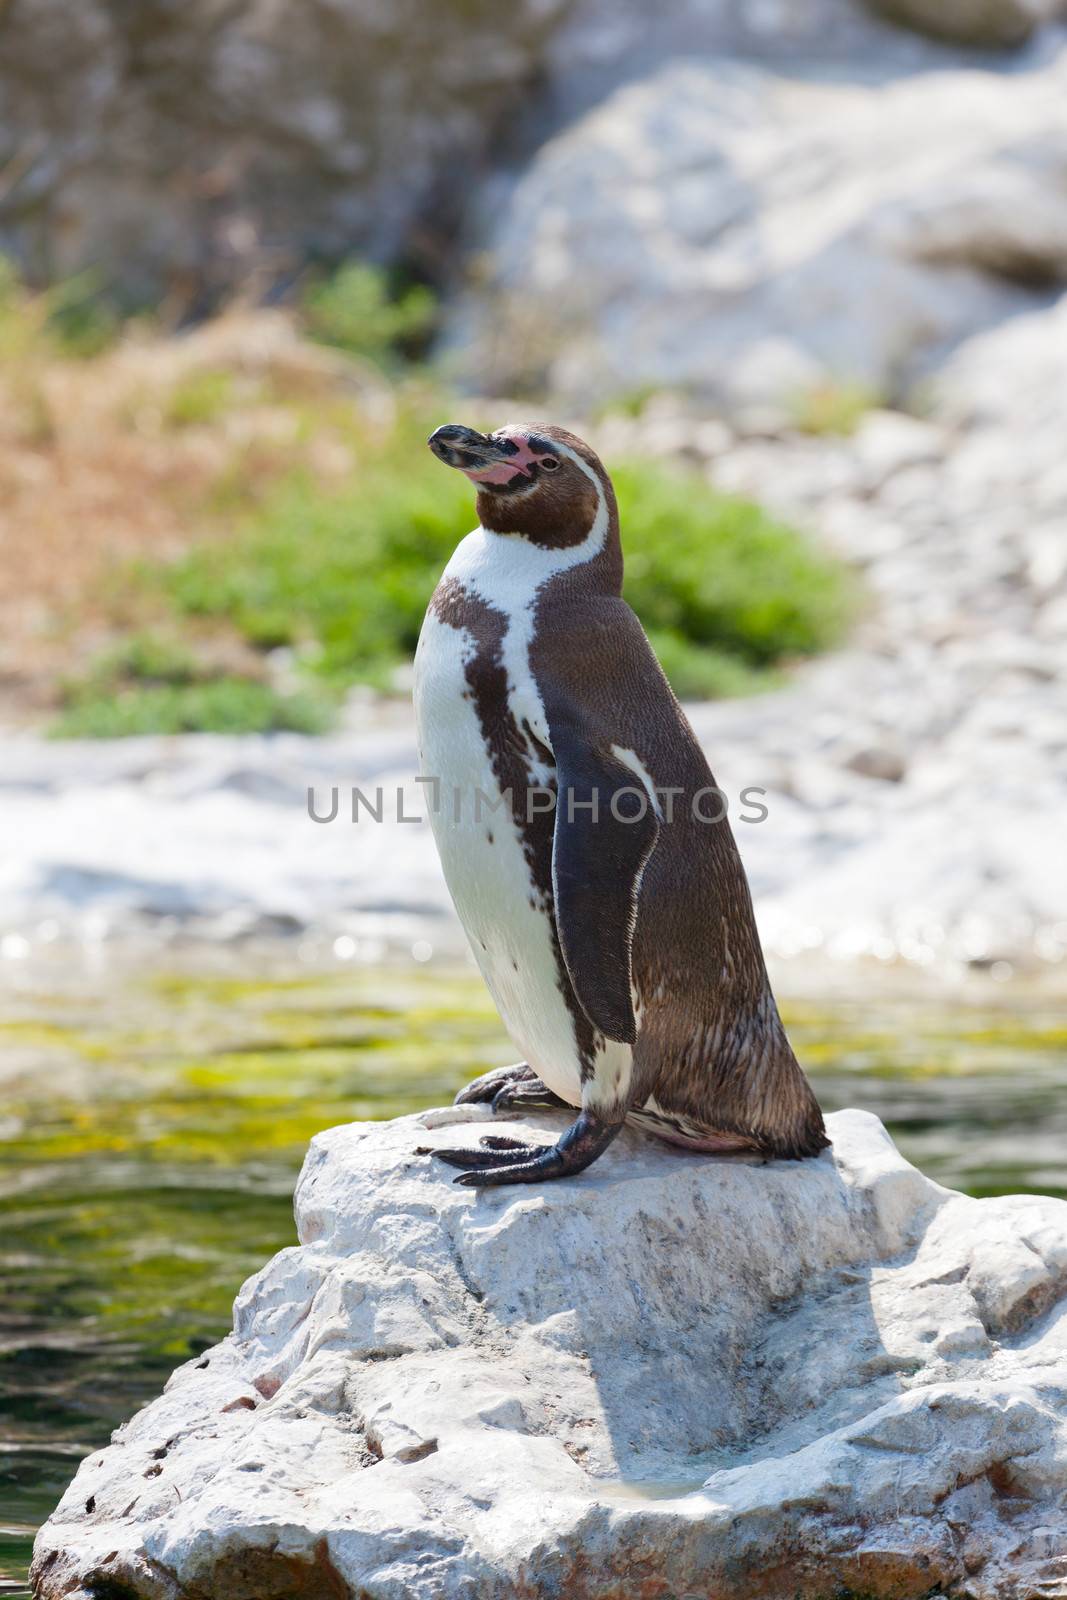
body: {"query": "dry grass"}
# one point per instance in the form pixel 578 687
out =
pixel 140 452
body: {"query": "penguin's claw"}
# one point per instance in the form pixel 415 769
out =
pixel 503 1160
pixel 493 1083
pixel 532 1096
pixel 495 1152
pixel 521 1172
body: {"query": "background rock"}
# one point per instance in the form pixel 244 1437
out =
pixel 189 148
pixel 192 150
pixel 749 235
pixel 992 23
pixel 749 1380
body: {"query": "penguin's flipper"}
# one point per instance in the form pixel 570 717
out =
pixel 605 831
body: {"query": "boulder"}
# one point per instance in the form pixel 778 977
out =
pixel 991 24
pixel 751 235
pixel 191 149
pixel 1010 381
pixel 671 1376
pixel 186 148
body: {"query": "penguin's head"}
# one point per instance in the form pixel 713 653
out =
pixel 532 479
pixel 509 461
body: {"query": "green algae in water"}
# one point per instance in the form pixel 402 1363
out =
pixel 150 1138
pixel 152 1128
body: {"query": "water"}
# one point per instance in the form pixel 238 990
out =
pixel 152 1125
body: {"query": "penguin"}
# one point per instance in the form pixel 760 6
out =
pixel 597 881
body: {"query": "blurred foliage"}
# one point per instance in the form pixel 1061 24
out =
pixel 834 407
pixel 199 398
pixel 79 322
pixel 70 319
pixel 701 672
pixel 349 569
pixel 149 684
pixel 355 311
pixel 726 590
pixel 719 573
pixel 65 322
pixel 148 658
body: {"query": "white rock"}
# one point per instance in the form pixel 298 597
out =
pixel 343 128
pixel 882 761
pixel 673 1372
pixel 888 441
pixel 1005 384
pixel 750 233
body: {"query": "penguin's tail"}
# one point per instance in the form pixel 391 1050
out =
pixel 790 1124
pixel 685 1133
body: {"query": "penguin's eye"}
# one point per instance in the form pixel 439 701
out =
pixel 549 464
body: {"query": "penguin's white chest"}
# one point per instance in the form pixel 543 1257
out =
pixel 492 883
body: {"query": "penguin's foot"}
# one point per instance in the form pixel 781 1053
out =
pixel 501 1160
pixel 529 1095
pixel 494 1152
pixel 489 1085
pixel 516 1088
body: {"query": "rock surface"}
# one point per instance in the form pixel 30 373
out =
pixel 189 148
pixel 193 149
pixel 993 23
pixel 750 232
pixel 672 1375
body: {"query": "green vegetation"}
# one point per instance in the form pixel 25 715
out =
pixel 200 398
pixel 348 570
pixel 628 402
pixel 69 319
pixel 834 407
pixel 702 672
pixel 725 590
pixel 713 573
pixel 355 311
pixel 79 321
pixel 151 685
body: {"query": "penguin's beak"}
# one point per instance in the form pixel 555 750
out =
pixel 483 458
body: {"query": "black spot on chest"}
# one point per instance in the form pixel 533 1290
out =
pixel 485 676
pixel 486 683
pixel 483 669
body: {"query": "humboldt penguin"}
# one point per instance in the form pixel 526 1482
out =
pixel 597 879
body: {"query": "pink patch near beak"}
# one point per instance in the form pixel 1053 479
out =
pixel 504 471
pixel 501 472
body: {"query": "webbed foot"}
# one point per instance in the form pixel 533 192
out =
pixel 490 1083
pixel 500 1160
pixel 529 1095
pixel 516 1088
